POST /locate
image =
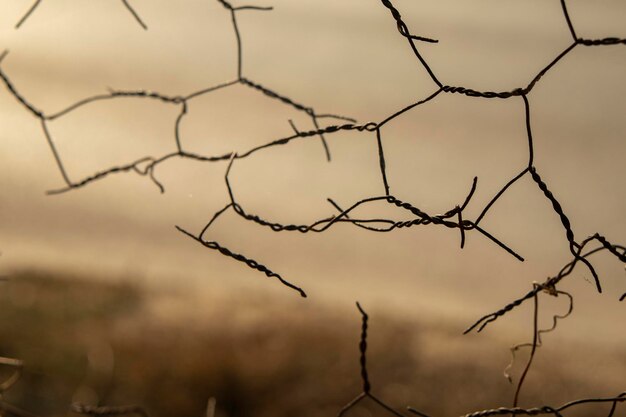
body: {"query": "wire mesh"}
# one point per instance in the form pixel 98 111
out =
pixel 580 249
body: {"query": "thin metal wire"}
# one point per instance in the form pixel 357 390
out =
pixel 455 218
pixel 548 285
pixel 147 166
pixel 135 15
pixel 555 411
pixel 37 3
pixel 532 351
pixel 514 410
pixel 366 393
pixel 28 13
pixel 539 342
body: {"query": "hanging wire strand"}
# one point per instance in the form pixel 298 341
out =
pixel 555 319
pixel 533 350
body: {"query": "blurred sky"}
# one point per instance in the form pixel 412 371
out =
pixel 343 58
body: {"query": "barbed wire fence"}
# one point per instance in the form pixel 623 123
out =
pixel 580 249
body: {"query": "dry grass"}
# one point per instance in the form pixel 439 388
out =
pixel 103 344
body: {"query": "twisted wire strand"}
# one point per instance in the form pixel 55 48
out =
pixel 404 31
pixel 324 224
pixel 569 234
pixel 243 259
pixel 515 410
pixel 366 393
pixel 181 101
pixel 147 165
pixel 556 411
pixel 363 349
pixel 453 219
pixel 548 285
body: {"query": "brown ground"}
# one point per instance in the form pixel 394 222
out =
pixel 113 344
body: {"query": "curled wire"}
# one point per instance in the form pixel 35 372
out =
pixel 548 285
pixel 539 342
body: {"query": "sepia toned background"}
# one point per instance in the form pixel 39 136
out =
pixel 344 58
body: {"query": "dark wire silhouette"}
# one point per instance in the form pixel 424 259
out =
pixel 146 166
pixel 28 13
pixel 452 219
pixel 555 320
pixel 38 2
pixel 550 284
pixel 514 410
pixel 366 393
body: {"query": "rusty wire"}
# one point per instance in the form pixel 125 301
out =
pixel 453 218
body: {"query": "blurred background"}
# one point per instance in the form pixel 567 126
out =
pixel 108 304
